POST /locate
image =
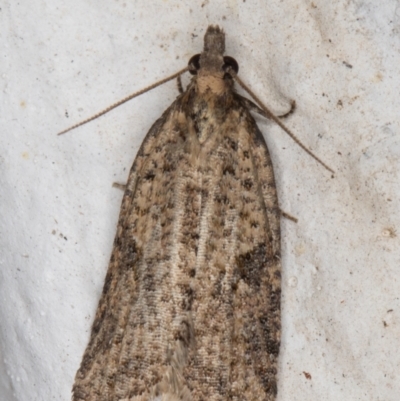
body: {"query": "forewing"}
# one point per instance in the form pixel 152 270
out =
pixel 236 306
pixel 136 320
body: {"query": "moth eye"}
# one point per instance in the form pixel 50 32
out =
pixel 194 64
pixel 230 62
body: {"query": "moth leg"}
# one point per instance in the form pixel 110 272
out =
pixel 255 109
pixel 119 186
pixel 291 111
pixel 288 216
pixel 179 83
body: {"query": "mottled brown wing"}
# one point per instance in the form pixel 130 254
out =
pixel 191 304
pixel 236 286
pixel 134 322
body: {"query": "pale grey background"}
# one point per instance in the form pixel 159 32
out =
pixel 62 61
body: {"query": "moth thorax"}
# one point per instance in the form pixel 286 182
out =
pixel 210 77
pixel 211 83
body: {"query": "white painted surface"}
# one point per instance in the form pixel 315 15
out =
pixel 341 308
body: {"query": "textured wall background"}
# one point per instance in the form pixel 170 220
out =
pixel 63 61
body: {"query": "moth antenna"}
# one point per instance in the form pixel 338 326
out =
pixel 272 116
pixel 113 106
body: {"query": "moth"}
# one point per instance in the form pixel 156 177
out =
pixel 190 308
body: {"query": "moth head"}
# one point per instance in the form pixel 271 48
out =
pixel 211 66
pixel 194 64
pixel 214 40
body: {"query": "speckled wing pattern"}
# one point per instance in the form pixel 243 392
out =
pixel 190 308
